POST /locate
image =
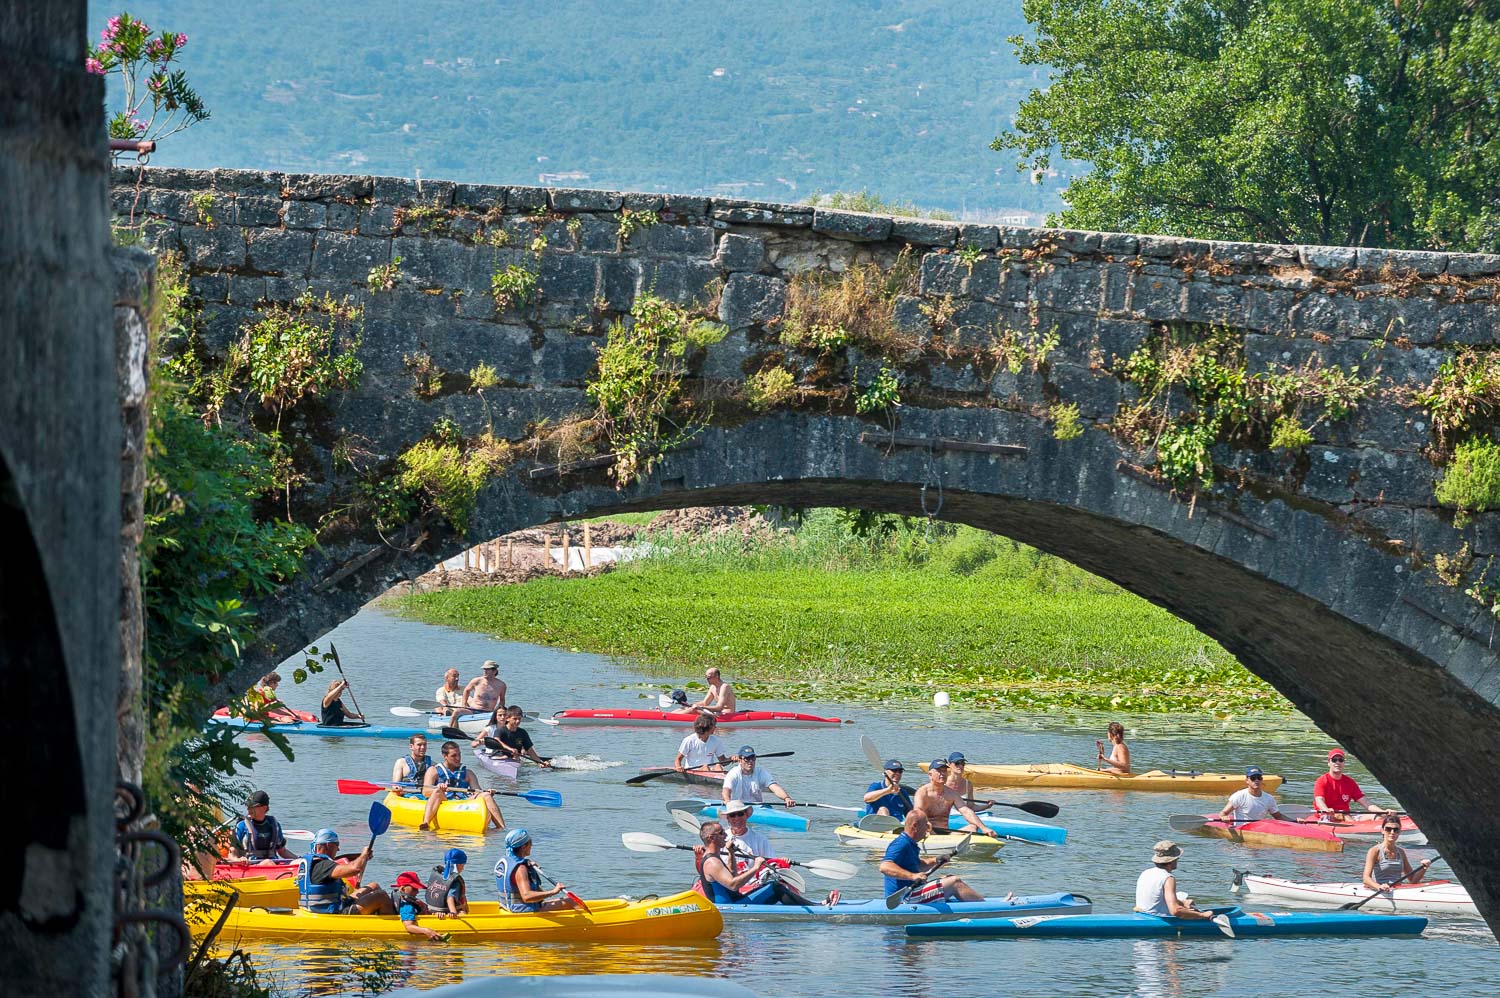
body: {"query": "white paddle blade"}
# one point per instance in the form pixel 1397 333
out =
pixel 425 705
pixel 1186 822
pixel 871 752
pixel 963 845
pixel 1222 921
pixel 408 712
pixel 878 823
pixel 645 842
pixel 832 869
pixel 687 822
pixel 792 879
pixel 689 804
pixel 298 834
pixel 1295 811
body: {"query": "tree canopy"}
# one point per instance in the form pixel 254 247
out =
pixel 1292 121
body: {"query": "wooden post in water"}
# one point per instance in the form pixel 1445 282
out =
pixel 588 548
pixel 565 548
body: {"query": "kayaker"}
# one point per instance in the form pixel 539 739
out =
pixel 720 697
pixel 1156 887
pixel 413 766
pixel 1386 862
pixel 409 906
pixel 956 780
pixel 335 714
pixel 888 796
pixel 320 881
pixel 1118 760
pixel 517 879
pixel 258 836
pixel 724 884
pixel 1333 792
pixel 936 800
pixel 451 776
pixel 450 695
pixel 515 741
pixel 484 693
pixel 745 839
pixel 446 891
pixel 1251 803
pixel 702 749
pixel 262 696
pixel 904 865
pixel 749 782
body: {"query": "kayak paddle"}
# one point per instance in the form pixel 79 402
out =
pixel 1356 905
pixel 541 798
pixel 573 899
pixel 833 869
pixel 871 752
pixel 340 666
pixel 1040 808
pixel 380 820
pixel 637 780
pixel 686 820
pixel 894 901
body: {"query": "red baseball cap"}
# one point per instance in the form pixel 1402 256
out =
pixel 1335 753
pixel 408 879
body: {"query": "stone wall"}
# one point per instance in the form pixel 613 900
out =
pixel 1314 566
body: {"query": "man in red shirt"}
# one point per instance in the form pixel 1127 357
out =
pixel 1334 792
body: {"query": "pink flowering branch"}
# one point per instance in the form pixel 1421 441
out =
pixel 165 105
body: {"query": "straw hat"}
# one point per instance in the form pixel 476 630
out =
pixel 1165 851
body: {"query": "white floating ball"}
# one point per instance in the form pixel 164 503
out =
pixel 940 699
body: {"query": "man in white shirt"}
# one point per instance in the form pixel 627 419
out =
pixel 1252 803
pixel 744 839
pixel 749 782
pixel 702 749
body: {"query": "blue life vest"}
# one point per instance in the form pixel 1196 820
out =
pixel 452 777
pixel 259 841
pixel 504 870
pixel 324 897
pixel 414 771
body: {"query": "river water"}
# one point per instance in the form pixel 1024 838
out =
pixel 1110 835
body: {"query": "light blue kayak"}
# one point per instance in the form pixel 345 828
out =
pixel 874 912
pixel 1246 924
pixel 309 728
pixel 1031 831
pixel 772 817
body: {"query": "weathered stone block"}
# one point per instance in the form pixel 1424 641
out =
pixel 682 281
pixel 526 199
pixel 221 246
pixel 250 183
pixel 248 291
pixel 1208 301
pixel 620 280
pixel 910 316
pixel 254 210
pixel 1158 298
pixel 1407 479
pixel 973 325
pixel 750 299
pixel 1082 243
pixel 684 208
pixel 572 279
pixel 741 253
pixel 565 358
pixel 1119 338
pixel 923 232
pixel 596 235
pixel 304 214
pixel 1160 246
pixel 341 216
pixel 339 256
pixel 1119 244
pixel 761 213
pixel 986 277
pixel 209 287
pixel 725 360
pixel 1473 264
pixel 640 201
pixel 985 237
pixel 460 345
pixel 679 240
pixel 570 199
pixel 1331 258
pixel 1402 261
pixel 279 251
pixel 377 220
pixel 478 197
pixel 1331 474
pixel 943 274
pixel 319 186
pixel 433 263
pixel 1096 395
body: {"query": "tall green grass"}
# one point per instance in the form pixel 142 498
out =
pixel 824 613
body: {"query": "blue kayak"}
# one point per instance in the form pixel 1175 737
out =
pixel 874 912
pixel 1246 924
pixel 771 817
pixel 309 728
pixel 1031 831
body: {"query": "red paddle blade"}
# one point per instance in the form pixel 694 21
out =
pixel 359 787
pixel 577 902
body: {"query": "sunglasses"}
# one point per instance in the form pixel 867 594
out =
pixel 1392 828
pixel 1337 758
pixel 1255 779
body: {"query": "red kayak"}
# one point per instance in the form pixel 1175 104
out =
pixel 1273 832
pixel 1368 828
pixel 685 718
pixel 232 870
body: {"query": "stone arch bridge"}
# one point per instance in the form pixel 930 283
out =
pixel 1315 563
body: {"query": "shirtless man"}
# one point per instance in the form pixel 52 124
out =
pixel 937 800
pixel 484 693
pixel 450 695
pixel 957 781
pixel 720 697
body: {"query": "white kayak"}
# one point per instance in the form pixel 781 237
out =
pixel 502 767
pixel 1435 896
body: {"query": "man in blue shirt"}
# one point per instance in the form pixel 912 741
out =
pixel 904 866
pixel 888 796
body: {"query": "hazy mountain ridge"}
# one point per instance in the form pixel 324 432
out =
pixel 776 101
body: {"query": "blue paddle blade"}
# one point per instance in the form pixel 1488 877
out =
pixel 380 818
pixel 542 798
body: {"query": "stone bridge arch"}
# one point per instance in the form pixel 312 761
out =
pixel 1315 567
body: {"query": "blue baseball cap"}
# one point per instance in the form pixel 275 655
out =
pixel 325 836
pixel 957 757
pixel 746 752
pixel 1253 771
pixel 894 764
pixel 938 763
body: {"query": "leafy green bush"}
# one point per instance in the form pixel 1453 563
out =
pixel 1472 482
pixel 882 394
pixel 769 387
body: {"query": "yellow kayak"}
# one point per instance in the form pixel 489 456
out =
pixel 452 815
pixel 1066 776
pixel 684 917
pixel 936 844
pixel 252 890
